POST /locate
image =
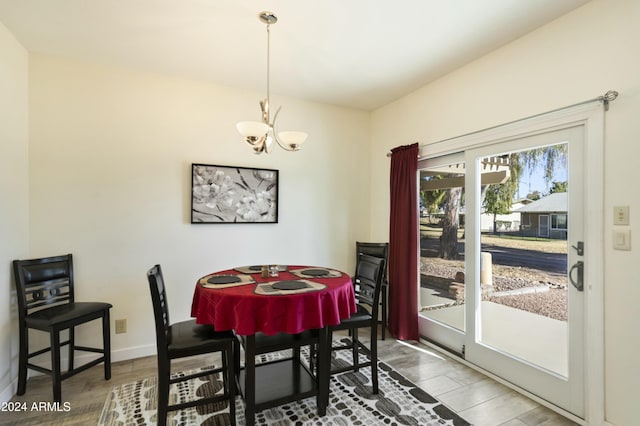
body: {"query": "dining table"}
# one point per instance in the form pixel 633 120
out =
pixel 270 300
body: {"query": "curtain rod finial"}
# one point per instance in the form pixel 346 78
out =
pixel 611 95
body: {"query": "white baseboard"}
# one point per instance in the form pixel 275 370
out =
pixel 133 353
pixel 117 355
pixel 8 392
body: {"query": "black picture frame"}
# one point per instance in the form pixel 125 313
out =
pixel 233 194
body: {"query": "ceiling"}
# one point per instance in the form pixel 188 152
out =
pixel 355 53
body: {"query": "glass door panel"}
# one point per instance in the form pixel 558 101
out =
pixel 523 270
pixel 524 319
pixel 442 271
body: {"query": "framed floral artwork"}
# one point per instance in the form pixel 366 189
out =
pixel 228 194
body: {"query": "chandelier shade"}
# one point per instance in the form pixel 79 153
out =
pixel 252 129
pixel 261 134
pixel 293 139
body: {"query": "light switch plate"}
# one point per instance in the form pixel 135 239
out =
pixel 621 215
pixel 622 239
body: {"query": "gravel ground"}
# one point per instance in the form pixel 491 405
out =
pixel 551 303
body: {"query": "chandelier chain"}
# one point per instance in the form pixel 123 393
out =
pixel 268 57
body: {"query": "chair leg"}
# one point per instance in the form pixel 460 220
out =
pixel 230 380
pixel 236 361
pixel 55 365
pixel 23 358
pixel 250 380
pixel 323 369
pixel 225 367
pixel 106 344
pixel 354 349
pixel 163 391
pixel 295 354
pixel 72 342
pixel 373 349
pixel 384 312
pixel 312 358
pixel 329 343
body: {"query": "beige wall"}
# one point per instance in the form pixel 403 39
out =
pixel 14 194
pixel 110 160
pixel 575 58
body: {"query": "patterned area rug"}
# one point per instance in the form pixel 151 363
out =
pixel 399 402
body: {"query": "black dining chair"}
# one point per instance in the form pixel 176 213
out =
pixel 186 339
pixel 45 292
pixel 368 283
pixel 380 250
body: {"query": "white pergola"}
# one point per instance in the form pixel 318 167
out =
pixel 494 170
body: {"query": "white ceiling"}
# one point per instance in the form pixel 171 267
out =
pixel 355 53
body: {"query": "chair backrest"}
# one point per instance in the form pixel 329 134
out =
pixel 160 307
pixel 368 282
pixel 43 283
pixel 380 250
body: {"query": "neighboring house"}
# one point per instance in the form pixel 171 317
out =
pixel 546 217
pixel 504 222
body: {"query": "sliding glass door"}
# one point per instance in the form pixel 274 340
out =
pixel 501 231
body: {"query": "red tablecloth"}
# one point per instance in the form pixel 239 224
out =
pixel 240 309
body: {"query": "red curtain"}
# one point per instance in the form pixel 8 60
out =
pixel 403 243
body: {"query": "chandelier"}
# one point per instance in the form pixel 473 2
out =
pixel 261 134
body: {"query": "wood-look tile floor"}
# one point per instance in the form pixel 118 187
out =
pixel 479 399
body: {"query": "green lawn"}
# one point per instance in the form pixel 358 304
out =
pixel 504 240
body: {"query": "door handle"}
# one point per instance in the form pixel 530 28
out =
pixel 578 283
pixel 580 248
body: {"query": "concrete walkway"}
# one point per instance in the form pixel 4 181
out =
pixel 533 338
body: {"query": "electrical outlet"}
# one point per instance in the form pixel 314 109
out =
pixel 121 326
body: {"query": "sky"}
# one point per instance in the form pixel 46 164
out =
pixel 535 181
